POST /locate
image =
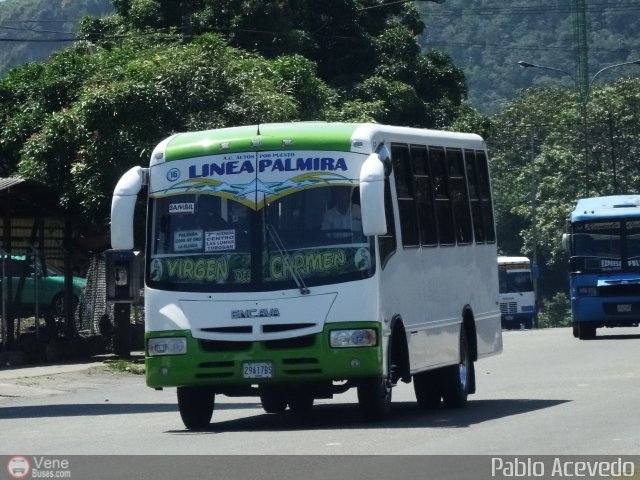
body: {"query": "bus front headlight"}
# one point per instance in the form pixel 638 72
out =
pixel 167 346
pixel 362 337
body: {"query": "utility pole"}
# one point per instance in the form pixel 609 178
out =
pixel 582 47
pixel 614 166
pixel 582 75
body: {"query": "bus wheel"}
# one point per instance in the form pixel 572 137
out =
pixel 427 386
pixel 301 403
pixel 576 330
pixel 196 406
pixel 586 332
pixel 456 378
pixel 273 402
pixel 374 398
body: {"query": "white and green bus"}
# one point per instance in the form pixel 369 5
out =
pixel 296 261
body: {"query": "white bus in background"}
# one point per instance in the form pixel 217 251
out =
pixel 255 285
pixel 517 294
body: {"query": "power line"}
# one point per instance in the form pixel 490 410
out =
pixel 523 47
pixel 26 29
pixel 537 10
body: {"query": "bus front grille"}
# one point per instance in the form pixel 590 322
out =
pixel 225 346
pixel 508 307
pixel 295 342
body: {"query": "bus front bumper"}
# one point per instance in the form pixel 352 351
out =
pixel 228 364
pixel 606 312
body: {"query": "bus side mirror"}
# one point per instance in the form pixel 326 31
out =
pixel 123 205
pixel 372 176
pixel 122 268
pixel 566 242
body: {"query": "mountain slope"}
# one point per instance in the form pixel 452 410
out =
pixel 30 30
pixel 486 38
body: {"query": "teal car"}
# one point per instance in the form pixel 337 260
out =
pixel 50 286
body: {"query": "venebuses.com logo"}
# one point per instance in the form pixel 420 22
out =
pixel 18 467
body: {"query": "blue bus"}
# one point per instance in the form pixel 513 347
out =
pixel 604 268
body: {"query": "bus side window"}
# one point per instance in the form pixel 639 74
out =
pixel 404 190
pixel 424 195
pixel 474 196
pixel 485 195
pixel 387 242
pixel 444 216
pixel 459 195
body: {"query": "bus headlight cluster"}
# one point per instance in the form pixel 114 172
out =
pixel 362 337
pixel 587 291
pixel 167 346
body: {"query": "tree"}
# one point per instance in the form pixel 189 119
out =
pixel 540 168
pixel 158 67
pixel 131 98
pixel 365 49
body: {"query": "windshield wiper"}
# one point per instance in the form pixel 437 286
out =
pixel 277 241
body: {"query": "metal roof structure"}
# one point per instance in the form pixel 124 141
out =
pixel 23 197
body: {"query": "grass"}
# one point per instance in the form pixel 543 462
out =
pixel 126 366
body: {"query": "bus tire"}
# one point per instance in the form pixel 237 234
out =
pixel 428 389
pixel 374 398
pixel 456 379
pixel 301 403
pixel 196 406
pixel 273 402
pixel 586 331
pixel 576 330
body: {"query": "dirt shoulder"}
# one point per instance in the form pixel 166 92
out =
pixel 44 380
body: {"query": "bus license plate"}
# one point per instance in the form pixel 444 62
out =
pixel 257 370
pixel 624 308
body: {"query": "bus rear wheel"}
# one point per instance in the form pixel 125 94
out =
pixel 196 406
pixel 456 379
pixel 427 386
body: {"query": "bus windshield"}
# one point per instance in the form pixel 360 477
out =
pixel 607 245
pixel 207 242
pixel 515 281
pixel 599 245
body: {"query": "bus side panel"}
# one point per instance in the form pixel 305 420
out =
pixel 429 288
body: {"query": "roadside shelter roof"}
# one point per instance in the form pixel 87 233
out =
pixel 21 197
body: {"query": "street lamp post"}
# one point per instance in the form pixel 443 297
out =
pixel 584 100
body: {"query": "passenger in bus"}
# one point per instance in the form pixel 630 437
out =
pixel 344 218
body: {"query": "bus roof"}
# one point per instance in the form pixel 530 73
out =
pixel 613 206
pixel 504 260
pixel 323 136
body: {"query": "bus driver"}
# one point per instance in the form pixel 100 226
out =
pixel 343 219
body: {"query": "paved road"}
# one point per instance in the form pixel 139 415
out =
pixel 548 393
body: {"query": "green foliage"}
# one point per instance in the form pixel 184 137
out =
pixel 352 42
pixel 158 67
pixel 130 99
pixel 544 159
pixel 555 312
